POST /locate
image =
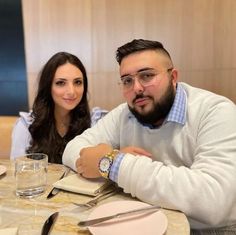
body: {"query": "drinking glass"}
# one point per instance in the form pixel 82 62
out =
pixel 31 174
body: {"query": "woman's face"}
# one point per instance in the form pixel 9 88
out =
pixel 67 87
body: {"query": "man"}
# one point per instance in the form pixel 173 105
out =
pixel 171 144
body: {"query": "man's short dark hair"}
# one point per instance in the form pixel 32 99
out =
pixel 139 45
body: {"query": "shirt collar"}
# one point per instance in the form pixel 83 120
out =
pixel 178 110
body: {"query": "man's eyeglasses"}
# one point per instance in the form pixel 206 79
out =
pixel 145 78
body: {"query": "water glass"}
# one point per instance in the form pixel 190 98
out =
pixel 31 174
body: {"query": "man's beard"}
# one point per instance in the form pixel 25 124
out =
pixel 160 109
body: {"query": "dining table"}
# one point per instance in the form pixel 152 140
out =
pixel 29 215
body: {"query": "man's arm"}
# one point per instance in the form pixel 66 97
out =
pixel 87 164
pixel 105 131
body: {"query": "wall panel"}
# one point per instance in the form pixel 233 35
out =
pixel 199 34
pixel 55 25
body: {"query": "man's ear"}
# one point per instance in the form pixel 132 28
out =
pixel 174 76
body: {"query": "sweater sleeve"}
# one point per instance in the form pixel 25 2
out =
pixel 205 191
pixel 102 132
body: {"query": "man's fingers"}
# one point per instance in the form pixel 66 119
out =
pixel 141 151
pixel 79 169
pixel 79 166
pixel 136 151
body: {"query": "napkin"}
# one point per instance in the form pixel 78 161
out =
pixel 78 184
pixel 9 231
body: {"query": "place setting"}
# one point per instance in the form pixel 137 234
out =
pixel 54 200
pixel 126 216
pixel 117 217
pixel 96 189
pixel 75 183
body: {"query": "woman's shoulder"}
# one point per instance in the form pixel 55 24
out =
pixel 20 130
pixel 96 114
pixel 25 118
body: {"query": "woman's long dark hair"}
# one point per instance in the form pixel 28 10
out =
pixel 45 137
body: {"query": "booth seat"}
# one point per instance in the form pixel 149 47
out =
pixel 6 126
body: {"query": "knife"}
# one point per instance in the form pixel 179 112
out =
pixel 48 223
pixel 102 219
pixel 54 190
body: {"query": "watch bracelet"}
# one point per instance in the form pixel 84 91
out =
pixel 112 154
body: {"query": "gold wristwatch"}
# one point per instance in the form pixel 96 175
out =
pixel 105 163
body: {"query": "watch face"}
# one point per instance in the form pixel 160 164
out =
pixel 105 164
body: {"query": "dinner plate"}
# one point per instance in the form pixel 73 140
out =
pixel 154 223
pixel 3 169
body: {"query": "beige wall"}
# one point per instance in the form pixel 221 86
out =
pixel 199 34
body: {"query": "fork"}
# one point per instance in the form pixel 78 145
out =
pixel 98 198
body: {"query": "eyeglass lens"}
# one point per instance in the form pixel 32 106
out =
pixel 145 78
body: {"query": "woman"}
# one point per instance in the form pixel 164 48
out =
pixel 60 110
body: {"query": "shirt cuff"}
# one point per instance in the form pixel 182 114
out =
pixel 113 174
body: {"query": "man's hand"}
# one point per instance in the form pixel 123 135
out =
pixel 87 164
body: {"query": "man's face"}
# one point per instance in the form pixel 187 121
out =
pixel 150 101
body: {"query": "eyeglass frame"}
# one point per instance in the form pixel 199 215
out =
pixel 137 74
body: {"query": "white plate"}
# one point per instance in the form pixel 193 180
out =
pixel 3 169
pixel 154 223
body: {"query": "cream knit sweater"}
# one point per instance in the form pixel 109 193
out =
pixel 193 167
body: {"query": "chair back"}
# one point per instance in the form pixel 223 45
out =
pixel 6 126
